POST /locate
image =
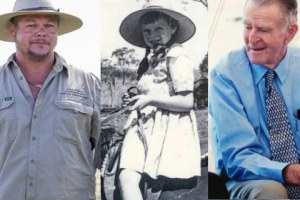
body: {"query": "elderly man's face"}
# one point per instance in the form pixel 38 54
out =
pixel 266 34
pixel 35 35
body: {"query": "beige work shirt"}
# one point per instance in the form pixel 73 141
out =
pixel 46 145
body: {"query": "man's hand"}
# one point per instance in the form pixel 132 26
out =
pixel 291 174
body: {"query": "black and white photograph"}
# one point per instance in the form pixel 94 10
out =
pixel 154 68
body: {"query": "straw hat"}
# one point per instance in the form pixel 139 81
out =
pixel 131 31
pixel 67 23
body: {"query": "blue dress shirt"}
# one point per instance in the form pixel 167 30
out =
pixel 238 124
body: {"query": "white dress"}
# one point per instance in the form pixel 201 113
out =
pixel 172 138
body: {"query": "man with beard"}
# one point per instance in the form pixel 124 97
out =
pixel 49 110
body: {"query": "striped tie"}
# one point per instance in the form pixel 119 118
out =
pixel 282 143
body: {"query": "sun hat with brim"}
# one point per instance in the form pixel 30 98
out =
pixel 67 22
pixel 130 26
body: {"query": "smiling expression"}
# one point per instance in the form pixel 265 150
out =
pixel 157 33
pixel 266 34
pixel 35 36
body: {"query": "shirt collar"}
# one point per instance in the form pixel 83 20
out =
pixel 59 65
pixel 11 61
pixel 281 69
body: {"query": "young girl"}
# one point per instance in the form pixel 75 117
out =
pixel 161 139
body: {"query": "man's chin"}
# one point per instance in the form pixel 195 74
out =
pixel 255 56
pixel 39 56
pixel 255 60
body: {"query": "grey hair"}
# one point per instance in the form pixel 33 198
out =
pixel 289 7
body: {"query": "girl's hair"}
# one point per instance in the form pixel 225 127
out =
pixel 143 65
pixel 149 18
pixel 152 17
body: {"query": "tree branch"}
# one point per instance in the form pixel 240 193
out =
pixel 204 2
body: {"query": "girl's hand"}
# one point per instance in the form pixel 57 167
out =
pixel 125 99
pixel 141 102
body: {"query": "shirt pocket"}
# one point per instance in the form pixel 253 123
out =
pixel 8 121
pixel 72 123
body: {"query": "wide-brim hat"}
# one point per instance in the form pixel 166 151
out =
pixel 67 22
pixel 130 28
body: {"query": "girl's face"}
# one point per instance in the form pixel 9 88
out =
pixel 157 33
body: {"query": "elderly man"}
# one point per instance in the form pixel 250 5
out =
pixel 49 110
pixel 254 106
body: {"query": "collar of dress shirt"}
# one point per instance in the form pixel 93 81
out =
pixel 281 69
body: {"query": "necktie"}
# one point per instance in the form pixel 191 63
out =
pixel 282 142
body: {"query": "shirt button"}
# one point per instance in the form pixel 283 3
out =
pixel 21 77
pixel 34 116
pixel 32 161
pixel 33 138
pixel 30 184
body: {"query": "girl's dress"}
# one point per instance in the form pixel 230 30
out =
pixel 172 138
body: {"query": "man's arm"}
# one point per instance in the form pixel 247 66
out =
pixel 96 126
pixel 243 153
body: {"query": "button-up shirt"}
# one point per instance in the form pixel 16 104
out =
pixel 238 125
pixel 46 144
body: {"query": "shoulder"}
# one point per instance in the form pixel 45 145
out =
pixel 294 53
pixel 236 62
pixel 5 66
pixel 176 50
pixel 233 59
pixel 293 60
pixel 78 74
pixel 177 56
pixel 2 68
